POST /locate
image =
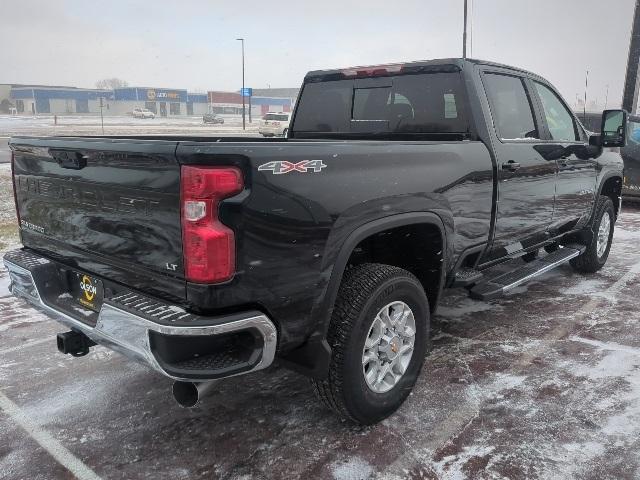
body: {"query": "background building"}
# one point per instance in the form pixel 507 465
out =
pixel 163 102
pixel 230 103
pixel 5 98
pixel 37 100
pixel 197 104
pixel 290 93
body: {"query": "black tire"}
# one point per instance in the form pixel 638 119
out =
pixel 552 247
pixel 364 291
pixel 590 261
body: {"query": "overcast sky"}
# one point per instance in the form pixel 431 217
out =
pixel 191 43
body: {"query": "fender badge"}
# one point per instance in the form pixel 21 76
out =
pixel 280 167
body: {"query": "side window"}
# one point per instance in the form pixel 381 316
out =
pixel 559 120
pixel 511 108
pixel 633 135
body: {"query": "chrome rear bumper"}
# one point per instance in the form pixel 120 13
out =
pixel 128 330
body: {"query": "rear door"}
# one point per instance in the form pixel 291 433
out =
pixel 110 207
pixel 567 145
pixel 526 180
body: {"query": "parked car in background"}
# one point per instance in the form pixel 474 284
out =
pixel 212 118
pixel 142 113
pixel 274 124
pixel 630 153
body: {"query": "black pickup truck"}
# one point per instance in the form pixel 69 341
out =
pixel 326 251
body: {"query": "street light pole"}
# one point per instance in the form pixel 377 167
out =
pixel 464 32
pixel 242 91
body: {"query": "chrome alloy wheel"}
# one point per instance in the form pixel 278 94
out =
pixel 389 346
pixel 603 234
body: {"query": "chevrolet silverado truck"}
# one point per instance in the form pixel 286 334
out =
pixel 326 251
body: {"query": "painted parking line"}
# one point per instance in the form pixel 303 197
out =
pixel 46 441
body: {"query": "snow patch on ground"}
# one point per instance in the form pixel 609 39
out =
pixel 622 234
pixel 464 307
pixel 452 467
pixel 82 395
pixel 20 321
pixel 354 468
pixel 586 287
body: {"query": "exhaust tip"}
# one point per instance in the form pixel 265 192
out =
pixel 186 394
pixel 189 394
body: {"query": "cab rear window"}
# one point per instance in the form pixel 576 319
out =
pixel 428 103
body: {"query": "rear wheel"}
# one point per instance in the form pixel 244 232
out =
pixel 379 335
pixel 597 252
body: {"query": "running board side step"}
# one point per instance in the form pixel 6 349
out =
pixel 498 286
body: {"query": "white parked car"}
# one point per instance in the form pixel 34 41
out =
pixel 274 123
pixel 142 113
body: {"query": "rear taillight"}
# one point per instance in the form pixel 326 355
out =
pixel 208 245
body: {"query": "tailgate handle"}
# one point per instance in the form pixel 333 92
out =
pixel 69 159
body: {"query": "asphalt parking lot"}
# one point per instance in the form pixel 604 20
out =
pixel 542 384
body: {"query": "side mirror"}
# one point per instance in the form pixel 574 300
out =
pixel 614 128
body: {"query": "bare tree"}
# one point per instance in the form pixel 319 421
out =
pixel 111 83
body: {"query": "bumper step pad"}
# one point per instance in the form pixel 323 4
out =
pixel 498 286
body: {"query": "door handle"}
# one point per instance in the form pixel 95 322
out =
pixel 511 166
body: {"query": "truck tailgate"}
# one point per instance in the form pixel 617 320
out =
pixel 109 206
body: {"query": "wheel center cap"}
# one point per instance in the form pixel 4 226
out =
pixel 394 347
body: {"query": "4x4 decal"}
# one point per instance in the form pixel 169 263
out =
pixel 279 167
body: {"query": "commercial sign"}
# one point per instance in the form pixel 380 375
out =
pixel 169 95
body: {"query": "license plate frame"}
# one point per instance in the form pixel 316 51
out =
pixel 87 291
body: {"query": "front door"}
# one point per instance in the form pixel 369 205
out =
pixel 576 183
pixel 526 180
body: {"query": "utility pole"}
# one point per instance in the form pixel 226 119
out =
pixel 584 107
pixel 606 98
pixel 464 32
pixel 471 29
pixel 630 95
pixel 244 127
pixel 101 115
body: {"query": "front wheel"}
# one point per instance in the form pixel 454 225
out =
pixel 597 252
pixel 379 335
